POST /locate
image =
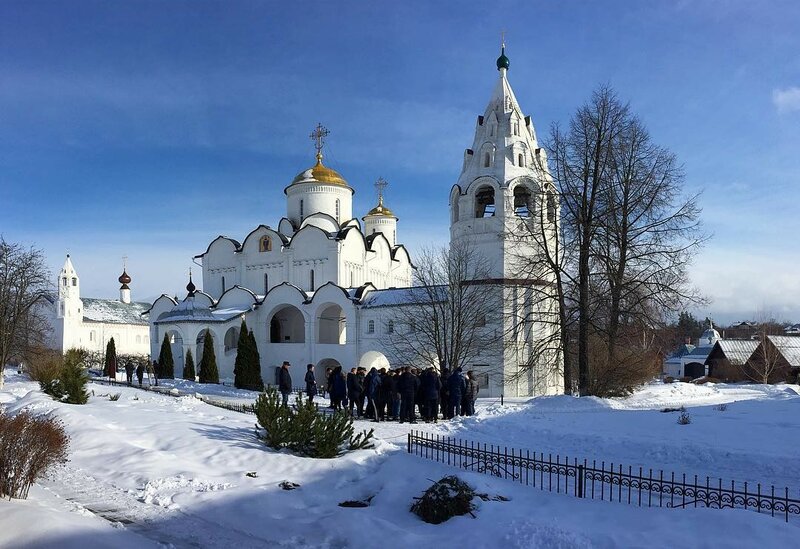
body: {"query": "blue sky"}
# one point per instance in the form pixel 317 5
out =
pixel 144 129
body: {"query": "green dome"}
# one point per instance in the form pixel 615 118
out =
pixel 502 61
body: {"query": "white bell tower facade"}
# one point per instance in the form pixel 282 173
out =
pixel 69 309
pixel 504 209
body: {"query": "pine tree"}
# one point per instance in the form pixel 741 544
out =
pixel 257 381
pixel 188 367
pixel 208 364
pixel 240 367
pixel 110 366
pixel 73 379
pixel 166 365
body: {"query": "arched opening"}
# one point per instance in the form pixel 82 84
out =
pixel 551 206
pixel 484 201
pixel 523 203
pixel 332 325
pixel 287 325
pixel 521 160
pixel 373 359
pixel 198 352
pixel 231 339
pixel 487 160
pixel 321 367
pixel 176 346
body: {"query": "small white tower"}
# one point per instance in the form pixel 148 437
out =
pixel 69 309
pixel 381 219
pixel 124 279
pixel 319 191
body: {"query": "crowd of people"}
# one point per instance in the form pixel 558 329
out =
pixel 393 395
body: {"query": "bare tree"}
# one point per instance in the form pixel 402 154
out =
pixel 24 283
pixel 442 319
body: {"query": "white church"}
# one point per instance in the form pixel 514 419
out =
pixel 323 286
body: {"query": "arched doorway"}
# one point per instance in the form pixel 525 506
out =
pixel 287 325
pixel 176 346
pixel 198 353
pixel 231 339
pixel 332 325
pixel 319 371
pixel 374 359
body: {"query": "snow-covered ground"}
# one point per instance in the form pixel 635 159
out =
pixel 150 470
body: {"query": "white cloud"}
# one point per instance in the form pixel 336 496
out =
pixel 786 100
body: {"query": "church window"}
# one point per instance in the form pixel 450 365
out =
pixel 265 244
pixel 371 327
pixel 301 208
pixel 390 327
pixel 266 283
pixel 223 284
pixel 492 129
pixel 484 202
pixel 74 281
pixel 487 159
pixel 64 281
pixel 521 159
pixel 91 335
pixel 551 206
pixel 522 201
pixel 515 126
pixel 482 378
pixel 312 280
pixel 337 210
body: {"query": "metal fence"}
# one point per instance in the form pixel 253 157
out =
pixel 602 481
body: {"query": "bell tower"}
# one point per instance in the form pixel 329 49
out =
pixel 504 209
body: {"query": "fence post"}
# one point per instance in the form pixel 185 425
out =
pixel 409 442
pixel 580 481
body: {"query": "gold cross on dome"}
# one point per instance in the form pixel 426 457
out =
pixel 318 137
pixel 380 185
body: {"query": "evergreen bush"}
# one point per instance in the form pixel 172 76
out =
pixel 255 364
pixel 188 367
pixel 247 369
pixel 110 364
pixel 73 381
pixel 208 364
pixel 447 498
pixel 166 364
pixel 304 430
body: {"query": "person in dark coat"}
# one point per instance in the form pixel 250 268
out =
pixel 285 382
pixel 351 384
pixel 471 395
pixel 444 394
pixel 457 387
pixel 140 373
pixel 430 385
pixel 361 385
pixel 338 388
pixel 384 390
pixel 129 372
pixel 371 387
pixel 407 387
pixel 393 406
pixel 311 383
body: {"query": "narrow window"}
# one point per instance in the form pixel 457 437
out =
pixel 312 280
pixel 493 127
pixel 64 281
pixel 394 237
pixel 521 161
pixel 486 160
pixel 301 209
pixel 371 327
pixel 223 284
pixel 337 210
pixel 74 281
pixel 91 336
pixel 390 327
pixel 266 283
pixel 551 206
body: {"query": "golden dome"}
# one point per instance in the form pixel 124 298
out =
pixel 320 173
pixel 380 209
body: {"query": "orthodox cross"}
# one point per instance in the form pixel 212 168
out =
pixel 124 262
pixel 380 185
pixel 503 38
pixel 318 137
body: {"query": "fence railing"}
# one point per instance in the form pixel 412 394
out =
pixel 603 481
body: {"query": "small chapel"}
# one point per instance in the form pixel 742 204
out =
pixel 323 286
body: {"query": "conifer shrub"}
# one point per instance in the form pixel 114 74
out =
pixel 446 498
pixel 188 367
pixel 256 382
pixel 110 364
pixel 73 380
pixel 208 364
pixel 166 364
pixel 247 369
pixel 29 446
pixel 303 430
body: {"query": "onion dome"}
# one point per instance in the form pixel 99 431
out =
pixel 502 61
pixel 124 279
pixel 190 287
pixel 320 173
pixel 380 209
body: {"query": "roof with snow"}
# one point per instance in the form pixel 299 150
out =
pixel 737 351
pixel 189 311
pixel 789 347
pixel 393 297
pixel 113 311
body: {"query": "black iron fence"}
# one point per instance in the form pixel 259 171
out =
pixel 603 481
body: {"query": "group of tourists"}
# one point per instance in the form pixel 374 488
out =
pixel 392 395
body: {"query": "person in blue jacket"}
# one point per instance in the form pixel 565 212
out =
pixel 457 387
